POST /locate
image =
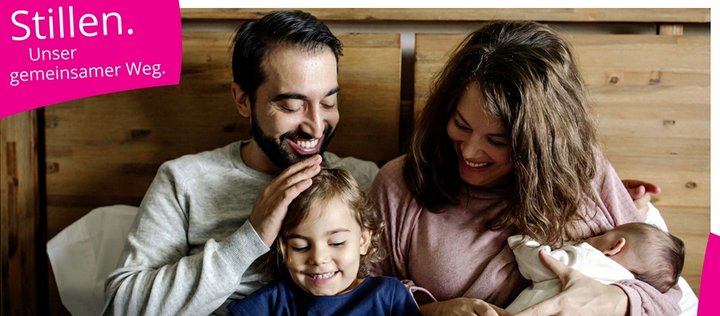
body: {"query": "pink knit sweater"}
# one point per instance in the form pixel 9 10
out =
pixel 452 254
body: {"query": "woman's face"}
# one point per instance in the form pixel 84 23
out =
pixel 480 141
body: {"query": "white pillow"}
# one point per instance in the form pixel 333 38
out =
pixel 84 253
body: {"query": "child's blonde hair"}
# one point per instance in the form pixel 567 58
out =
pixel 327 185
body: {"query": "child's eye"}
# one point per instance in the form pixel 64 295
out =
pixel 337 244
pixel 300 249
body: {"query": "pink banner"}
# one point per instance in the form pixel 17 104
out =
pixel 55 51
pixel 710 282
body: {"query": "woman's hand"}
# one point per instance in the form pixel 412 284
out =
pixel 640 192
pixel 580 294
pixel 462 306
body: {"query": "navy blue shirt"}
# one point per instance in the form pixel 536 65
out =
pixel 374 296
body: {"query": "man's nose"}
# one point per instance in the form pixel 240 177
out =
pixel 314 121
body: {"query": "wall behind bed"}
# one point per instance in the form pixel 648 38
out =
pixel 647 70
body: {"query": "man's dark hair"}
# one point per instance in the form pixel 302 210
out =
pixel 255 38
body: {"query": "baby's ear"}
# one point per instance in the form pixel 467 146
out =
pixel 616 247
pixel 365 237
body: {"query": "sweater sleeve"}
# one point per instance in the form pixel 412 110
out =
pixel 619 209
pixel 158 276
pixel 399 213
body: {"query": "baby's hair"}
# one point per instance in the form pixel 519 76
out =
pixel 665 251
pixel 327 185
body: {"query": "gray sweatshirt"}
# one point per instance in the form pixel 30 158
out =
pixel 191 247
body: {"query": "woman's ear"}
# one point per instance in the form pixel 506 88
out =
pixel 365 237
pixel 242 101
pixel 616 247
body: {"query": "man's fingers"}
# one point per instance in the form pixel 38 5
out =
pixel 300 176
pixel 302 170
pixel 293 191
pixel 300 165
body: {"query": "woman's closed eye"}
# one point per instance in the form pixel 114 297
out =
pixel 499 141
pixel 460 125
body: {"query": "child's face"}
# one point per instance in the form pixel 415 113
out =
pixel 322 254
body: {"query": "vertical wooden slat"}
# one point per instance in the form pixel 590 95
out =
pixel 670 29
pixel 19 215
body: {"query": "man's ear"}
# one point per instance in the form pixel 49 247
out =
pixel 616 247
pixel 242 100
pixel 365 237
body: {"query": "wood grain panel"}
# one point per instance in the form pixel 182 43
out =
pixel 651 96
pixel 22 238
pixel 694 15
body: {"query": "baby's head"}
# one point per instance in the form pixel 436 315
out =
pixel 652 255
pixel 330 235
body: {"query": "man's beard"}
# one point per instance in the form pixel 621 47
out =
pixel 281 154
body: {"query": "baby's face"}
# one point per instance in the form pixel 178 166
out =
pixel 322 254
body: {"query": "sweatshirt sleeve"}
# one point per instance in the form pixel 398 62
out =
pixel 158 276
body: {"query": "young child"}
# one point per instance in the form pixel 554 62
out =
pixel 327 242
pixel 632 250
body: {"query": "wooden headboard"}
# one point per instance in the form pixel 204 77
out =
pixel 651 94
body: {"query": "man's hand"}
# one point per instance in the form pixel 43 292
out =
pixel 272 203
pixel 462 306
pixel 640 192
pixel 580 294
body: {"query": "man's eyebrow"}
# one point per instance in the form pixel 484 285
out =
pixel 300 96
pixel 333 91
pixel 289 95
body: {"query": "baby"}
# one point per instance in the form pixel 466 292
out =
pixel 327 242
pixel 632 250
